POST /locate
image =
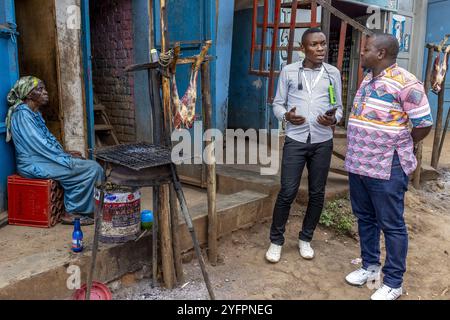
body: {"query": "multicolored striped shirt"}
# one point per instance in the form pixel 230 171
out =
pixel 378 124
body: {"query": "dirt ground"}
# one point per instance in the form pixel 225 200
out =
pixel 243 272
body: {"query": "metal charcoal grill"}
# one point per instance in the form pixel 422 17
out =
pixel 136 156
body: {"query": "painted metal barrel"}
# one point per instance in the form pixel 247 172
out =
pixel 121 220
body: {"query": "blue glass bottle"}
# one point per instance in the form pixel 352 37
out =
pixel 77 237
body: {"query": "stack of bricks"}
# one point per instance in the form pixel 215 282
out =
pixel 112 49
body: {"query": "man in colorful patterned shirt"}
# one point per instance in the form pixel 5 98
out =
pixel 379 159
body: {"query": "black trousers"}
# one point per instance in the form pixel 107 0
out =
pixel 317 158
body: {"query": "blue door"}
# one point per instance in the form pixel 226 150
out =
pixel 9 73
pixel 191 23
pixel 438 25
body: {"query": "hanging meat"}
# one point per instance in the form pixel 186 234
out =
pixel 184 108
pixel 439 71
pixel 440 68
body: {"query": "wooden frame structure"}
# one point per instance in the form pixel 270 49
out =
pixel 276 25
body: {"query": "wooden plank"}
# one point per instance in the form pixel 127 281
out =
pixel 274 44
pixel 292 30
pixel 326 24
pixel 427 83
pixel 166 239
pixel 156 65
pixel 155 233
pixel 263 36
pixel 342 39
pixel 355 24
pixel 210 167
pixel 165 231
pixel 313 14
pixel 263 73
pixel 174 214
pixel 298 25
pixel 439 119
pixel 279 48
pixel 302 4
pixel 362 44
pixel 103 127
pixel 254 21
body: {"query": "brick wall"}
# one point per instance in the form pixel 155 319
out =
pixel 112 50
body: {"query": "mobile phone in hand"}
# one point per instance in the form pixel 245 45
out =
pixel 331 112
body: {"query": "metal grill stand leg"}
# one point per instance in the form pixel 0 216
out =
pixel 188 219
pixel 98 221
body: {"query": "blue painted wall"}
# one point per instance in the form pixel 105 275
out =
pixel 438 25
pixel 9 72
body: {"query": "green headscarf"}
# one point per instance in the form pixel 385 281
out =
pixel 16 96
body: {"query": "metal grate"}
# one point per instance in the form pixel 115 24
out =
pixel 136 156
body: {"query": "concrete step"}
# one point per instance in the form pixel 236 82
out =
pixel 231 180
pixel 235 211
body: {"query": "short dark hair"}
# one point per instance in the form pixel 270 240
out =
pixel 387 42
pixel 310 31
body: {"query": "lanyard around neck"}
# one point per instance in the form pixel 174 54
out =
pixel 316 80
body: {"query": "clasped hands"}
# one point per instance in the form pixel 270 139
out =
pixel 324 120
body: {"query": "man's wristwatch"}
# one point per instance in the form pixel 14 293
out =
pixel 284 118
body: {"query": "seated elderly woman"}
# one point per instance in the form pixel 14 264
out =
pixel 39 155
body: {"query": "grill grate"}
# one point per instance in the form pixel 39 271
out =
pixel 136 156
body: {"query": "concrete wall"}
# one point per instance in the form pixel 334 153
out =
pixel 113 50
pixel 70 79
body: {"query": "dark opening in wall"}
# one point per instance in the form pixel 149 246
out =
pixel 113 50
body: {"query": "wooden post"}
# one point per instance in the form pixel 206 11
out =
pixel 438 130
pixel 342 38
pixel 360 69
pixel 211 166
pixel 164 213
pixel 155 232
pixel 166 239
pixel 326 24
pixel 174 213
pixel 419 151
pixel 294 9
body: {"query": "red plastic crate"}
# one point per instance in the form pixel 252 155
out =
pixel 30 202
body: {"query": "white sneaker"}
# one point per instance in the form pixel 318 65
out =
pixel 305 250
pixel 387 293
pixel 361 276
pixel 274 253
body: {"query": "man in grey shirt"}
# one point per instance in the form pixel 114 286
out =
pixel 309 101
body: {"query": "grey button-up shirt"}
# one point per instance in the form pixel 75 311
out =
pixel 308 105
